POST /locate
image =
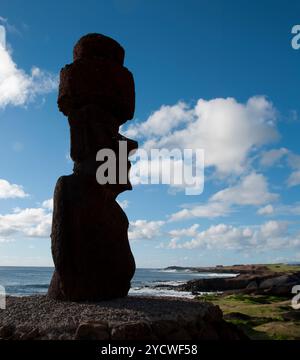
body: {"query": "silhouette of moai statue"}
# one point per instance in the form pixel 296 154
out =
pixel 90 246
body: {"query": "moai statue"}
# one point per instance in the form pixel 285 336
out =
pixel 90 248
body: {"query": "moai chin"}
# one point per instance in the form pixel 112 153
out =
pixel 90 247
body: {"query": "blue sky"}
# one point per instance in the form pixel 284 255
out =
pixel 222 75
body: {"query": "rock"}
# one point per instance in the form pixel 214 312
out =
pixel 180 334
pixel 92 331
pixel 107 84
pixel 93 46
pixel 163 328
pixel 139 330
pixel 32 334
pixel 90 247
pixel 206 331
pixel 293 315
pixel 237 316
pixel 279 285
pixel 267 283
pixel 128 318
pixel 7 331
pixel 228 331
pixel 102 267
pixel 252 285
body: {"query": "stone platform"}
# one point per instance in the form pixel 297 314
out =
pixel 130 318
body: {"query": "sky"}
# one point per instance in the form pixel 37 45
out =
pixel 215 75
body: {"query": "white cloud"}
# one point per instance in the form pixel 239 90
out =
pixel 48 204
pixel 266 210
pixel 294 161
pixel 124 204
pixel 179 171
pixel 294 179
pixel 273 229
pixel 143 229
pixel 10 191
pixel 2 37
pixel 250 190
pixel 17 88
pixel 270 235
pixel 280 209
pixel 208 210
pixel 162 121
pixel 30 222
pixel 189 231
pixel 271 157
pixel 227 130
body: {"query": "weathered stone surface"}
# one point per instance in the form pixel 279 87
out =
pixel 94 81
pixel 7 331
pixel 90 247
pixel 93 46
pixel 89 242
pixel 129 318
pixel 90 330
pixel 137 330
pixel 266 283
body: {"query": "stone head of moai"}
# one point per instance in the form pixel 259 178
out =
pixel 90 247
pixel 96 93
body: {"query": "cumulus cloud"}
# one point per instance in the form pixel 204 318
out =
pixel 226 129
pixel 294 179
pixel 48 204
pixel 189 231
pixel 162 121
pixel 209 210
pixel 280 209
pixel 294 163
pixel 251 190
pixel 271 157
pixel 274 156
pixel 10 191
pixel 266 210
pixel 143 229
pixel 27 223
pixel 17 87
pixel 270 235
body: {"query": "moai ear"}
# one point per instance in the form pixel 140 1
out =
pixel 79 134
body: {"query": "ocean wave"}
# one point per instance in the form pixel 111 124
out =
pixel 32 286
pixel 149 291
pixel 168 283
pixel 216 275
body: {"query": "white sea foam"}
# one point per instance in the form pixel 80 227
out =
pixel 149 291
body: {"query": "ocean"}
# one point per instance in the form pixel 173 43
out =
pixel 24 281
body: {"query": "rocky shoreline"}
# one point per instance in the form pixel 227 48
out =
pixel 130 318
pixel 250 279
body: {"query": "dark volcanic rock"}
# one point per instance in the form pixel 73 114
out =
pixel 99 46
pixel 293 315
pixel 130 318
pixel 268 283
pixel 279 285
pixel 90 247
pixel 94 81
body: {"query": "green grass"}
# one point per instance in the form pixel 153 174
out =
pixel 265 312
pixel 283 268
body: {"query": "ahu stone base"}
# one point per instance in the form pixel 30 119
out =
pixel 131 318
